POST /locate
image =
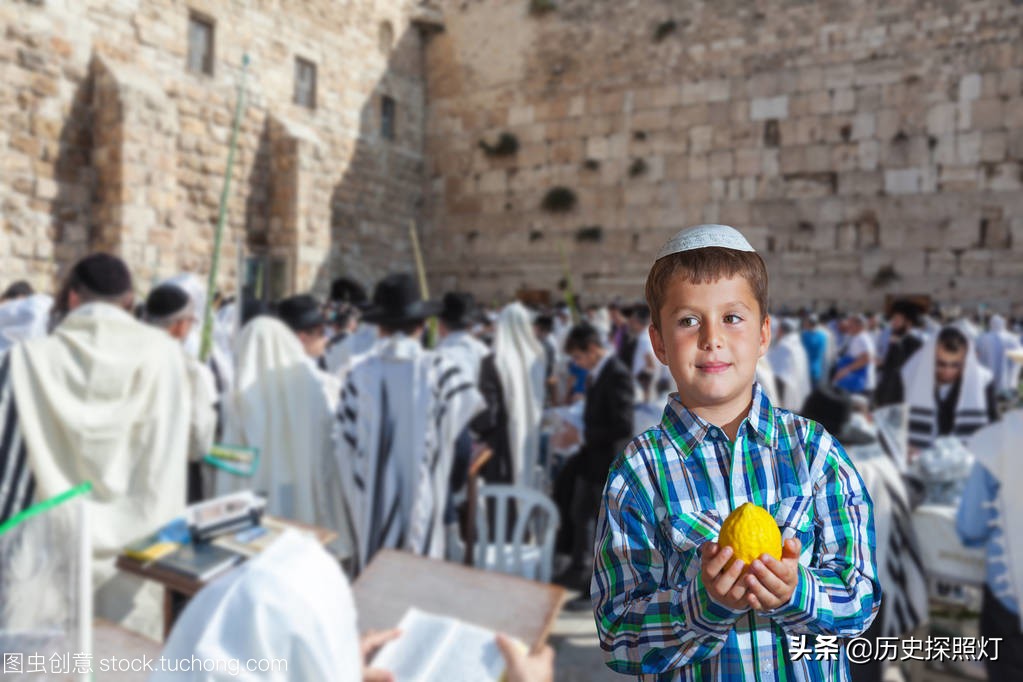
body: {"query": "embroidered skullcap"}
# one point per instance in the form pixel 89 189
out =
pixel 704 236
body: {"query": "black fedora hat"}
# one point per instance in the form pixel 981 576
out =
pixel 301 312
pixel 396 300
pixel 347 290
pixel 458 309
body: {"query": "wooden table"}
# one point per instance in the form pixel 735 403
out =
pixel 179 588
pixel 395 581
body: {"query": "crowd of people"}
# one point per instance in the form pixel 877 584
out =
pixel 366 411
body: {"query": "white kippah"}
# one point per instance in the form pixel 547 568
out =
pixel 702 236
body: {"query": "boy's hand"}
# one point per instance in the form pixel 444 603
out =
pixel 724 587
pixel 770 583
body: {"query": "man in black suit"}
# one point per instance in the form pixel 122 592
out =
pixel 607 428
pixel 906 339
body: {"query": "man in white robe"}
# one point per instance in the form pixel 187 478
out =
pixel 104 398
pixel 283 406
pixel 402 408
pixel 169 307
pixel 23 318
pixel 353 337
pixel 457 315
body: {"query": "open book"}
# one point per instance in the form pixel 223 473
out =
pixel 436 648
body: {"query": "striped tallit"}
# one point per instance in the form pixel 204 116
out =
pixel 17 485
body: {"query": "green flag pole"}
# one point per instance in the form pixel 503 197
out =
pixel 424 288
pixel 218 235
pixel 569 291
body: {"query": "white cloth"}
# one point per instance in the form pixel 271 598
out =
pixel 466 351
pixel 765 377
pixel 644 354
pixel 519 360
pixel 790 364
pixel 290 603
pixel 993 348
pixel 105 399
pixel 340 356
pixel 284 406
pixel 401 410
pixel 996 447
pixel 190 283
pixel 23 319
pixel 203 421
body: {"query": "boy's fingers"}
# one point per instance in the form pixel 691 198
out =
pixel 717 561
pixel 759 592
pixel 726 580
pixel 791 548
pixel 766 576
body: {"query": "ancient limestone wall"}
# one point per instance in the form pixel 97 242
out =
pixel 865 147
pixel 107 141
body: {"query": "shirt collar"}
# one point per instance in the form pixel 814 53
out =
pixel 688 430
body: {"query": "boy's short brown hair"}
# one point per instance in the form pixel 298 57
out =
pixel 702 266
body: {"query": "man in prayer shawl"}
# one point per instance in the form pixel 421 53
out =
pixel 304 315
pixel 947 390
pixel 905 339
pixel 22 319
pixel 104 398
pixel 283 406
pixel 170 308
pixel 512 383
pixel 401 410
pixel 19 289
pixel 993 348
pixel 990 515
pixel 354 336
pixel 790 365
pixel 457 314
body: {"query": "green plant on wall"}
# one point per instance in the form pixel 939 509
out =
pixel 507 145
pixel 559 200
pixel 540 7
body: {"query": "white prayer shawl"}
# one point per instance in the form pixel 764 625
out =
pixel 283 406
pixel 919 382
pixel 765 377
pixel 993 348
pixel 790 364
pixel 340 356
pixel 466 351
pixel 290 602
pixel 23 319
pixel 401 410
pixel 899 565
pixel 996 447
pixel 105 399
pixel 519 360
pixel 968 329
pixel 203 420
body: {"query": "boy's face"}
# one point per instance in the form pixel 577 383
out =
pixel 711 338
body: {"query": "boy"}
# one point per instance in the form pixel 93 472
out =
pixel 666 602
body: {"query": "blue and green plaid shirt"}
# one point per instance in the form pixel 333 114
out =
pixel 668 493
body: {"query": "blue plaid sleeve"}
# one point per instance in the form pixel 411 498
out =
pixel 650 619
pixel 838 592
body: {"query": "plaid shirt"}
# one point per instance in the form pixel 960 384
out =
pixel 668 493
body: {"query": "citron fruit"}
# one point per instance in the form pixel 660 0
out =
pixel 751 531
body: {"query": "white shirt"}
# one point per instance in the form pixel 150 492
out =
pixel 860 344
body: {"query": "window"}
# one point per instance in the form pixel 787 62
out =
pixel 265 277
pixel 305 83
pixel 200 44
pixel 387 115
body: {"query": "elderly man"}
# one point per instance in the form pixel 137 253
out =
pixel 104 398
pixel 170 308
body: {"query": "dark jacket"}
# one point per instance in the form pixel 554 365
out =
pixel 890 390
pixel 491 425
pixel 607 419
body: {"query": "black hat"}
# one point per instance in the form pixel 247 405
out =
pixel 301 312
pixel 102 274
pixel 458 310
pixel 396 301
pixel 833 408
pixel 253 308
pixel 908 309
pixel 347 290
pixel 166 301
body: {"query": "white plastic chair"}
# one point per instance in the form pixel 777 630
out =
pixel 527 547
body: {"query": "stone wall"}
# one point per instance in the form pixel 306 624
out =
pixel 107 141
pixel 865 147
